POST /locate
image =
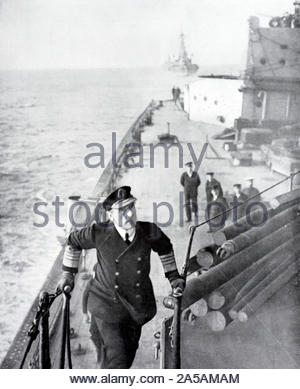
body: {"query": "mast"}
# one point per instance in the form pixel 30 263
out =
pixel 182 49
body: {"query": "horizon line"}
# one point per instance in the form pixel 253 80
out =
pixel 111 67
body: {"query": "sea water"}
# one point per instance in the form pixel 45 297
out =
pixel 47 118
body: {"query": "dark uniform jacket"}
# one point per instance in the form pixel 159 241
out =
pixel 214 208
pixel 208 187
pixel 240 211
pixel 121 284
pixel 250 192
pixel 190 184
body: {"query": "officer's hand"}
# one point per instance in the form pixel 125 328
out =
pixel 221 253
pixel 67 279
pixel 178 283
pixel 226 250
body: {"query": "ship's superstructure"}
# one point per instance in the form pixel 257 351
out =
pixel 183 62
pixel 266 113
pixel 271 90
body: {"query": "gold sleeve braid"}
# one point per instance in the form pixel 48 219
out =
pixel 71 259
pixel 168 262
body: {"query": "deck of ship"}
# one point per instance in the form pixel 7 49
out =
pixel 239 345
pixel 160 184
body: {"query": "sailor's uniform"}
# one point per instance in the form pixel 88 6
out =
pixel 214 208
pixel 190 184
pixel 121 297
pixel 240 210
pixel 252 192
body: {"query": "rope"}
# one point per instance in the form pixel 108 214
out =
pixel 174 333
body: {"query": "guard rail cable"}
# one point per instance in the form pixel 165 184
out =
pixel 47 299
pixel 178 293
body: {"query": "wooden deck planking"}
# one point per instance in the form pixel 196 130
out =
pixel 160 184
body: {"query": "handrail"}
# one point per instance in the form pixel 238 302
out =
pixel 175 327
pixel 40 325
pixel 65 336
pixel 292 175
pixel 42 313
pixel 107 180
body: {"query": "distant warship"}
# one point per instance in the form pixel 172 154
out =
pixel 182 63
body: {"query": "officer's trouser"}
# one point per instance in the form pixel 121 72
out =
pixel 191 205
pixel 116 343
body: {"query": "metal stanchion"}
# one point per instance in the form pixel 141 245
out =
pixel 65 336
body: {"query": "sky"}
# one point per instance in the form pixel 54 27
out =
pixel 37 34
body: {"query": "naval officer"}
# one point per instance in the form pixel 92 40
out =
pixel 120 297
pixel 190 181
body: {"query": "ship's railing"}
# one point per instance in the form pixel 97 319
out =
pixel 15 354
pixel 34 355
pixel 110 175
pixel 105 184
pixel 171 339
pixel 40 327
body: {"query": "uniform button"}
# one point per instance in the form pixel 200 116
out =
pixel 137 284
pixel 115 300
pixel 116 286
pixel 138 272
pixel 117 273
pixel 138 296
pixel 139 259
pixel 117 261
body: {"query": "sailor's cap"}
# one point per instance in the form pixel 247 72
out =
pixel 237 185
pixel 119 198
pixel 210 173
pixel 249 179
pixel 189 164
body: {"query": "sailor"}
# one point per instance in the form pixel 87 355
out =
pixel 218 206
pixel 251 191
pixel 190 181
pixel 210 182
pixel 177 94
pixel 239 201
pixel 120 296
pixel 174 93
